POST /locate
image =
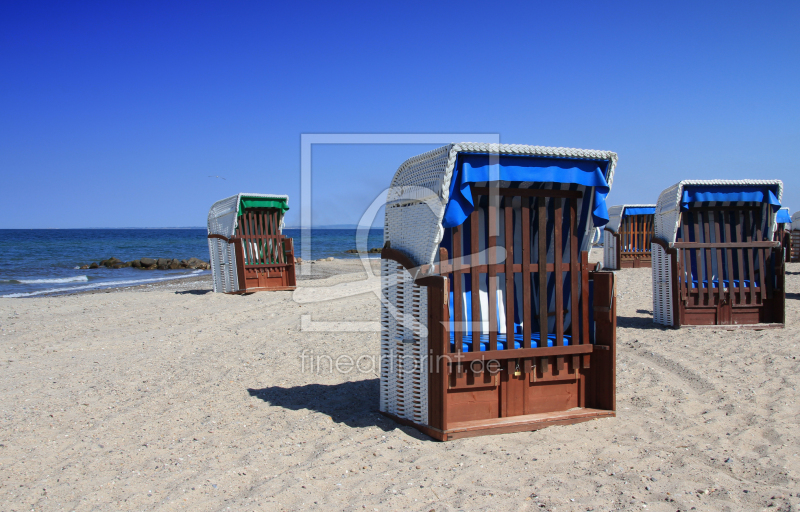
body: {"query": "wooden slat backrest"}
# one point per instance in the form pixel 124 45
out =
pixel 532 204
pixel 263 243
pixel 731 255
pixel 635 235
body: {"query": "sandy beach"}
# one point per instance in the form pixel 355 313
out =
pixel 171 397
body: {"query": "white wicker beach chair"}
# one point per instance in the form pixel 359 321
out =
pixel 247 248
pixel 452 216
pixel 714 258
pixel 794 237
pixel 627 236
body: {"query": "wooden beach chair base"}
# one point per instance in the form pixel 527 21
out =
pixel 636 262
pixel 526 423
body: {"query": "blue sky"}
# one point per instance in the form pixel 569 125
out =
pixel 115 113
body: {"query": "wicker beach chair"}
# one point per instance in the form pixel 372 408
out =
pixel 493 321
pixel 715 260
pixel 783 232
pixel 795 245
pixel 246 244
pixel 628 235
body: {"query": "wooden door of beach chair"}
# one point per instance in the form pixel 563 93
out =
pixel 726 266
pixel 520 331
pixel 265 257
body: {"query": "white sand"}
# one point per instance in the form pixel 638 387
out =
pixel 168 400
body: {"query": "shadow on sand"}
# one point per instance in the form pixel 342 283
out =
pixel 193 292
pixel 353 403
pixel 639 322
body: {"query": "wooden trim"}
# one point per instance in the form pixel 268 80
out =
pixel 541 206
pixel 387 253
pixel 264 289
pixel 474 239
pixel 491 260
pixel 526 272
pixel 458 307
pixel 509 243
pixel 524 423
pixel 736 327
pixel 664 245
pixel 559 287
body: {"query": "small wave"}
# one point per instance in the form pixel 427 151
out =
pixel 107 284
pixel 75 279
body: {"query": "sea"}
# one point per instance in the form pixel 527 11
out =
pixel 36 262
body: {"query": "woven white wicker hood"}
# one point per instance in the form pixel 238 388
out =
pixel 615 214
pixel 223 215
pixel 669 204
pixel 422 184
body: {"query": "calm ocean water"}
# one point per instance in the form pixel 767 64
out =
pixel 43 261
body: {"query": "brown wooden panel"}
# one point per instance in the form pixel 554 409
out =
pixel 512 390
pixel 584 297
pixel 551 396
pixel 474 404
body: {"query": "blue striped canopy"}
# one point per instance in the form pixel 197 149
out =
pixel 641 210
pixel 480 167
pixel 730 194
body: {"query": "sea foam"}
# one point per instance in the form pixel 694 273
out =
pixel 74 279
pixel 105 284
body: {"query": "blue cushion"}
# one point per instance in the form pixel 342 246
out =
pixel 725 283
pixel 502 342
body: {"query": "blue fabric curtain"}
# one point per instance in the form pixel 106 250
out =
pixel 730 194
pixel 783 217
pixel 475 168
pixel 649 210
